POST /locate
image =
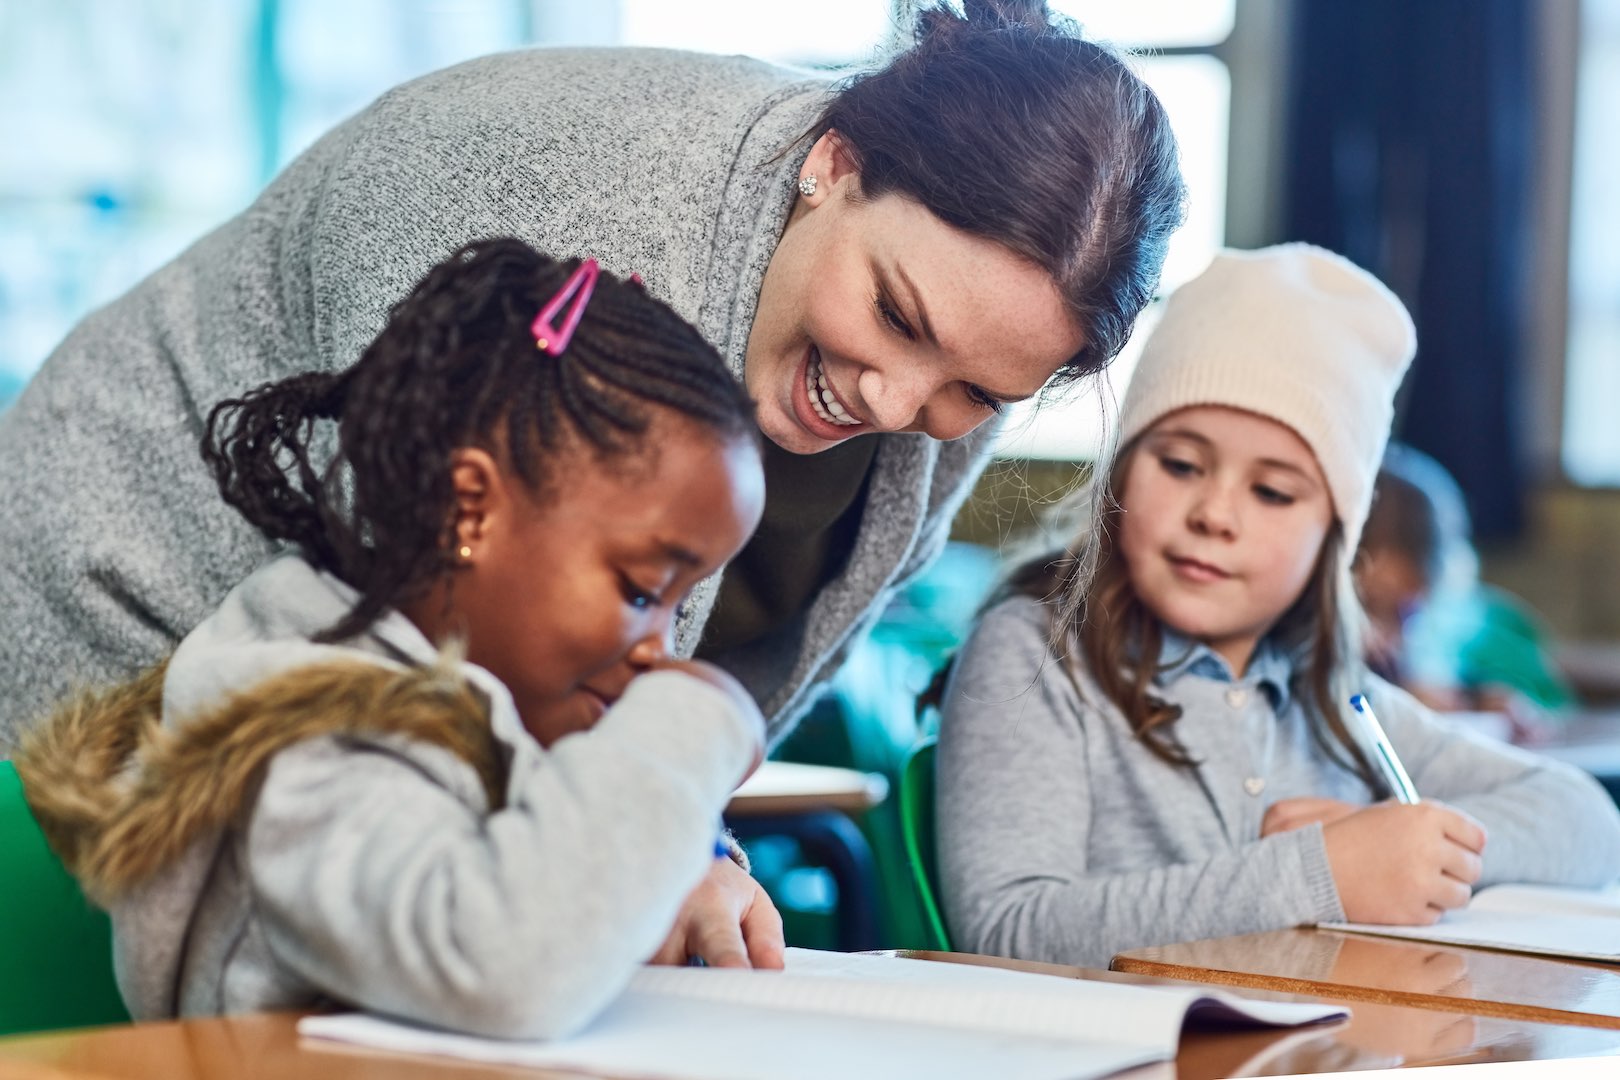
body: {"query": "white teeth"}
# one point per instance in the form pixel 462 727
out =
pixel 822 400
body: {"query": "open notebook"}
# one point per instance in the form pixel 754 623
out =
pixel 852 1016
pixel 1582 924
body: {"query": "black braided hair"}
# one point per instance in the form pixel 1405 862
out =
pixel 456 366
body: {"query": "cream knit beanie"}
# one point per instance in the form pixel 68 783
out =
pixel 1293 333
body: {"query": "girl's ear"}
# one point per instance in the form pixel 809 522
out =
pixel 478 499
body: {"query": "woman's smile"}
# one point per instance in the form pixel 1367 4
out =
pixel 817 407
pixel 876 316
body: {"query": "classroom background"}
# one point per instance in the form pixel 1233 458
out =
pixel 1459 149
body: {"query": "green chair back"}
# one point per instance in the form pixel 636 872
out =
pixel 917 827
pixel 55 948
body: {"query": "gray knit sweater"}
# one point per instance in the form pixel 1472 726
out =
pixel 1063 838
pixel 659 162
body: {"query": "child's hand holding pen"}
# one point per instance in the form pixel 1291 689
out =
pixel 1403 861
pixel 1393 862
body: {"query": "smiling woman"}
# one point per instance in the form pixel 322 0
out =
pixel 886 262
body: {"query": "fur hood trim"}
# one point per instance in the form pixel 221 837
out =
pixel 120 797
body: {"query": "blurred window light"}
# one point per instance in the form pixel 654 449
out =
pixel 1591 450
pixel 841 33
pixel 1155 24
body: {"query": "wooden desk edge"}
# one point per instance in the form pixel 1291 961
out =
pixel 1128 964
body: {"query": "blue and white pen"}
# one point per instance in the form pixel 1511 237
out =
pixel 1394 773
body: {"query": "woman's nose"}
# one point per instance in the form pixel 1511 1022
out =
pixel 894 397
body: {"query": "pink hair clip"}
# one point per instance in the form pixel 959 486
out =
pixel 579 286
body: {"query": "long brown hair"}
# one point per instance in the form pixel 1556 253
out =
pixel 1101 627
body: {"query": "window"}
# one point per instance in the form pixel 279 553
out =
pixel 840 33
pixel 132 129
pixel 1591 443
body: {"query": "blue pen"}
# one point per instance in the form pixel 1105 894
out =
pixel 1394 773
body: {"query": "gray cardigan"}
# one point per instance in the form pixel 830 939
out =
pixel 658 162
pixel 370 871
pixel 1062 838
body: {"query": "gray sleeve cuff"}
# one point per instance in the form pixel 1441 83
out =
pixel 1316 875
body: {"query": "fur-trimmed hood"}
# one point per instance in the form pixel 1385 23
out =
pixel 120 796
pixel 136 786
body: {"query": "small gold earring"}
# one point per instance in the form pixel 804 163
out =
pixel 465 552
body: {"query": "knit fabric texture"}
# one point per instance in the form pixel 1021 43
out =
pixel 664 163
pixel 1293 333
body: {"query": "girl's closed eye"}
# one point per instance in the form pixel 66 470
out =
pixel 637 596
pixel 1272 496
pixel 1176 466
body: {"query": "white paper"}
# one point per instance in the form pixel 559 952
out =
pixel 834 1014
pixel 1582 924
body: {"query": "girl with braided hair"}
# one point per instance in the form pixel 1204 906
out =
pixel 436 758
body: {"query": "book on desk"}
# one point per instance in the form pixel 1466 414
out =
pixel 854 1015
pixel 1579 924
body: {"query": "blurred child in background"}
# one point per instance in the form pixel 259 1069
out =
pixel 1436 630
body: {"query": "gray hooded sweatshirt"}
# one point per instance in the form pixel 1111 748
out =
pixel 292 824
pixel 662 163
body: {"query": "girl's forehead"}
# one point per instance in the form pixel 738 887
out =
pixel 1236 432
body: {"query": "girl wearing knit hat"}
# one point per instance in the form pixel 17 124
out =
pixel 1147 742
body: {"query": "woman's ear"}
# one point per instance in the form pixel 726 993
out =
pixel 479 502
pixel 831 163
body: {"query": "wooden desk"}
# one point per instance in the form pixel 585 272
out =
pixel 786 787
pixel 1377 1036
pixel 261 1046
pixel 1354 967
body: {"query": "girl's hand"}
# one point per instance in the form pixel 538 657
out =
pixel 744 705
pixel 1404 865
pixel 1286 815
pixel 727 921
